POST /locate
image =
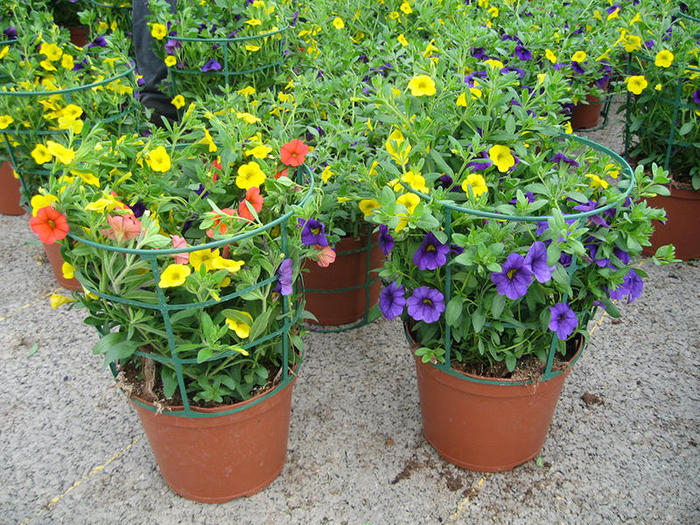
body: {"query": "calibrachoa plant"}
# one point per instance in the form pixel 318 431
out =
pixel 514 284
pixel 46 99
pixel 181 191
pixel 247 36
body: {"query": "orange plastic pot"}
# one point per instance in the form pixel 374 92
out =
pixel 216 459
pixel 682 223
pixel 349 272
pixel 53 253
pixel 487 427
pixel 586 116
pixel 9 191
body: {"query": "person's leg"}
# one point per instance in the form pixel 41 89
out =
pixel 149 65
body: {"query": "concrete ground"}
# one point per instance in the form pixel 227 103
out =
pixel 73 451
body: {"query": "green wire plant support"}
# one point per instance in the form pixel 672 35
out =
pixel 291 314
pixel 371 311
pixel 627 176
pixel 230 47
pixel 24 172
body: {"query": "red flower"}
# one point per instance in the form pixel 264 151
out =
pixel 50 225
pixel 256 201
pixel 219 224
pixel 282 173
pixel 294 152
pixel 216 170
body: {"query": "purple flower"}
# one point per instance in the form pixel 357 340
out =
pixel 602 82
pixel 386 241
pixel 285 272
pixel 211 65
pixel 392 301
pixel 622 255
pixel 593 219
pixel 138 208
pixel 577 68
pixel 536 261
pixel 515 277
pixel 559 158
pixel 431 253
pixel 593 250
pixel 529 196
pixel 479 53
pixel 519 72
pixel 649 44
pixel 171 45
pixel 565 260
pixel 523 53
pixel 632 287
pixel 563 320
pixel 314 232
pixel 696 97
pixel 10 32
pixel 445 181
pixel 98 42
pixel 426 304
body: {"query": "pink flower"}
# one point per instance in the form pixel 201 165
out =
pixel 180 242
pixel 122 227
pixel 326 255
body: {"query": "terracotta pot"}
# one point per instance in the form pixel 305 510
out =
pixel 682 223
pixel 9 191
pixel 487 427
pixel 349 270
pixel 78 35
pixel 215 459
pixel 53 252
pixel 586 116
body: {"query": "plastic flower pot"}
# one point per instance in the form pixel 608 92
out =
pixel 586 116
pixel 9 191
pixel 484 424
pixel 682 212
pixel 346 290
pixel 217 458
pixel 53 253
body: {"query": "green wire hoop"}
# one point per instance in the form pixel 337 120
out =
pixel 164 308
pixel 449 208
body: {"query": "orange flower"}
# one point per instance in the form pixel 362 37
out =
pixel 215 170
pixel 293 153
pixel 256 201
pixel 49 224
pixel 218 223
pixel 282 173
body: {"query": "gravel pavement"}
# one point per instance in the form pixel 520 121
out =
pixel 622 448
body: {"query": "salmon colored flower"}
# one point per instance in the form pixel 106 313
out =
pixel 256 201
pixel 122 227
pixel 49 224
pixel 294 152
pixel 326 255
pixel 180 242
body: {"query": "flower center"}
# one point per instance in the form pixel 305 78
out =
pixel 52 224
pixel 315 230
pixel 430 248
pixel 511 273
pixel 427 302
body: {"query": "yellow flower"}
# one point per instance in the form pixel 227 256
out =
pixel 402 40
pixel 636 84
pixel 373 168
pixel 658 87
pixel 47 65
pixel 596 181
pixel 5 120
pixel 501 156
pixel 494 12
pixel 209 141
pixel 178 101
pixel 579 56
pixel 241 328
pixel 158 159
pixel 107 203
pixel 614 14
pixel 174 275
pixel 72 111
pixel 63 155
pixel 541 77
pixel 170 61
pixel 67 270
pixel 4 51
pixel 410 201
pixel 326 174
pixel 219 263
pixel 259 152
pixel 253 22
pixel 252 48
pixel 250 175
pixel 246 91
pixel 476 182
pixel 406 7
pixel 67 61
pixel 664 58
pixel 367 206
pixel 422 85
pixel 41 201
pixel 496 64
pixel 476 92
pixel 58 300
pixel 204 257
pixel 567 127
pixel 248 118
pixel 51 51
pixel 462 100
pixel 394 15
pixel 549 55
pixel 158 31
pixel 632 42
pixel 396 140
pixel 415 181
pixel 338 23
pixel 87 177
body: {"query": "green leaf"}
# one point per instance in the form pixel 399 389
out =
pixel 207 327
pixel 33 349
pixel 169 380
pixel 478 320
pixel 499 302
pixel 453 311
pixel 510 362
pixel 204 354
pixel 440 162
pixel 686 128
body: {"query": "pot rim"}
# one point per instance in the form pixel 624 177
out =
pixel 474 378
